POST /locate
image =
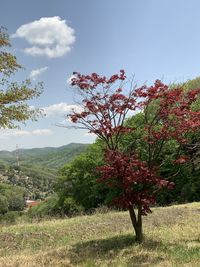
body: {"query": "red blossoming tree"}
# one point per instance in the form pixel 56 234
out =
pixel 168 115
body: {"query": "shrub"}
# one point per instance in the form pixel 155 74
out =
pixel 10 217
pixel 14 196
pixel 3 204
pixel 46 208
pixel 70 207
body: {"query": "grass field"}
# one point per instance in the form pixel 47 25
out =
pixel 172 238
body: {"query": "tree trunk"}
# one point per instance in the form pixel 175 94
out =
pixel 137 223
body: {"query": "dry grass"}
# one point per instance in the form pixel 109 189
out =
pixel 172 238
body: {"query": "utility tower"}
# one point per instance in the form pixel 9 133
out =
pixel 17 155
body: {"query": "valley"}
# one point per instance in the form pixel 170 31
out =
pixel 37 168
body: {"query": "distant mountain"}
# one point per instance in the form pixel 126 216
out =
pixel 38 167
pixel 47 157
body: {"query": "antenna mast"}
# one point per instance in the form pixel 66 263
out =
pixel 17 155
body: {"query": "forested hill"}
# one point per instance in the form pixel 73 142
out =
pixel 46 158
pixel 38 167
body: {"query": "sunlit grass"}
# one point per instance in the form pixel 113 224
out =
pixel 172 238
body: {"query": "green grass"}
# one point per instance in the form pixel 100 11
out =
pixel 172 238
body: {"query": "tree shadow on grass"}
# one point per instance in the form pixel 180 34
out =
pixel 151 252
pixel 180 251
pixel 110 248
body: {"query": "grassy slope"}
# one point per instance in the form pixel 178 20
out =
pixel 172 238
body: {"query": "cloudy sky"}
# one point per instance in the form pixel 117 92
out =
pixel 148 38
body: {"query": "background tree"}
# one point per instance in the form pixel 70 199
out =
pixel 185 176
pixel 13 109
pixel 77 181
pixel 167 115
pixel 12 198
pixel 13 96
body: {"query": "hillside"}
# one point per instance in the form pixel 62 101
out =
pixel 38 167
pixel 171 239
pixel 47 157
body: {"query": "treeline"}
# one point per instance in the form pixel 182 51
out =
pixel 78 189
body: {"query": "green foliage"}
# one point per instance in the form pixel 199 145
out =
pixel 78 181
pixel 192 84
pixel 78 178
pixel 185 177
pixel 13 96
pixel 46 208
pixel 10 217
pixel 8 62
pixel 70 207
pixel 12 198
pixel 3 204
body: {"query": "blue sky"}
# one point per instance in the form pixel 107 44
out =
pixel 148 38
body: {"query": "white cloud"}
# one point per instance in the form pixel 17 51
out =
pixel 34 73
pixel 49 36
pixel 60 109
pixel 20 133
pixel 41 132
pixel 90 135
pixel 17 133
